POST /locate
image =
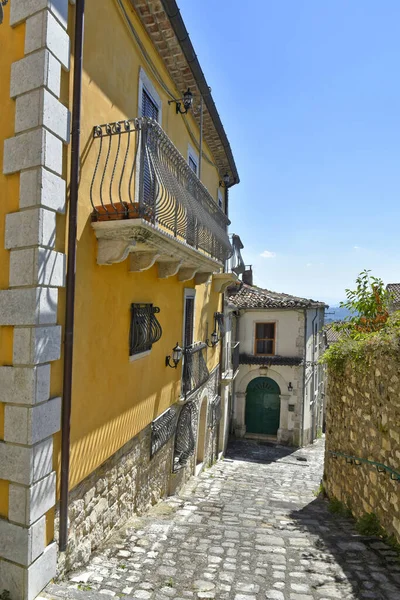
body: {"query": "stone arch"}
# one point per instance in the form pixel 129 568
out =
pixel 261 372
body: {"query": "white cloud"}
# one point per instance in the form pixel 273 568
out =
pixel 268 254
pixel 309 265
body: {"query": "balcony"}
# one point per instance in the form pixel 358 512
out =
pixel 149 204
pixel 234 266
pixel 195 371
pixel 231 363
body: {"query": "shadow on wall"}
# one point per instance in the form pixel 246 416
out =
pixel 343 561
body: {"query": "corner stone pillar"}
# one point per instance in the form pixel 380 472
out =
pixel 32 416
pixel 240 407
pixel 283 435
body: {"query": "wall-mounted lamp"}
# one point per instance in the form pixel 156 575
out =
pixel 290 387
pixel 218 327
pixel 225 181
pixel 176 357
pixel 187 100
pixel 214 340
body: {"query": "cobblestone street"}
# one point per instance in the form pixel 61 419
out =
pixel 249 528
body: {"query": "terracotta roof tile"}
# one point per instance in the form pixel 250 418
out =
pixel 254 297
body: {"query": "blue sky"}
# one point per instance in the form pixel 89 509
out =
pixel 309 94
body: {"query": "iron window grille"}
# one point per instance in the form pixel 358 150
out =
pixel 215 412
pixel 162 429
pixel 195 371
pixel 145 329
pixel 185 439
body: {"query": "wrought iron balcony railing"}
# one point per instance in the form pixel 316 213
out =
pixel 195 371
pixel 140 174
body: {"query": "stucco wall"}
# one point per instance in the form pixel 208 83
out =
pixel 289 325
pixel 363 420
pixel 113 398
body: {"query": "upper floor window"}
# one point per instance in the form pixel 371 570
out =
pixel 149 101
pixel 265 338
pixel 193 160
pixel 220 200
pixel 188 318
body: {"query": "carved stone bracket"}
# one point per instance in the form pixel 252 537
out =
pixel 114 251
pixel 187 273
pixel 141 261
pixel 222 280
pixel 201 278
pixel 169 268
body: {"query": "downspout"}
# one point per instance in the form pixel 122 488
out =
pixel 304 379
pixel 71 270
pixel 313 375
pixel 201 135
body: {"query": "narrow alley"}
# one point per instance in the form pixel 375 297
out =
pixel 249 528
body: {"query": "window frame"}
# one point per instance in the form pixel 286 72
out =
pixel 146 84
pixel 274 323
pixel 193 155
pixel 188 293
pixel 220 196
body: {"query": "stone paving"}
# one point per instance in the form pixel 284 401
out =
pixel 249 528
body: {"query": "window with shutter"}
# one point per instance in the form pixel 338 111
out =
pixel 265 338
pixel 149 109
pixel 188 338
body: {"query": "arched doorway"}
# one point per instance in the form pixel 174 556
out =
pixel 262 406
pixel 201 433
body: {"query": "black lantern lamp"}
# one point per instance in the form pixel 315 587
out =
pixel 225 181
pixel 214 339
pixel 176 357
pixel 187 102
pixel 290 387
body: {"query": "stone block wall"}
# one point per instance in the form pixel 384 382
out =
pixel 128 483
pixel 363 420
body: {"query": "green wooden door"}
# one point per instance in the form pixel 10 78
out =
pixel 262 406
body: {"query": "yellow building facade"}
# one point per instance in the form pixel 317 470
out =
pixel 151 266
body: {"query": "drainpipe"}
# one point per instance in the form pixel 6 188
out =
pixel 71 270
pixel 304 379
pixel 313 373
pixel 201 136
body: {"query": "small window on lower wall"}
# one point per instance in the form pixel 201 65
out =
pixel 265 338
pixel 145 329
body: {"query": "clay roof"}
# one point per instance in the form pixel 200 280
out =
pixel 394 290
pixel 254 297
pixel 332 336
pixel 164 25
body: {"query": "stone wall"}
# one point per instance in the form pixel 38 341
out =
pixel 128 483
pixel 363 420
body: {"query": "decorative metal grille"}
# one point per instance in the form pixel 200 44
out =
pixel 162 430
pixel 2 3
pixel 145 329
pixel 179 203
pixel 195 371
pixel 215 412
pixel 185 439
